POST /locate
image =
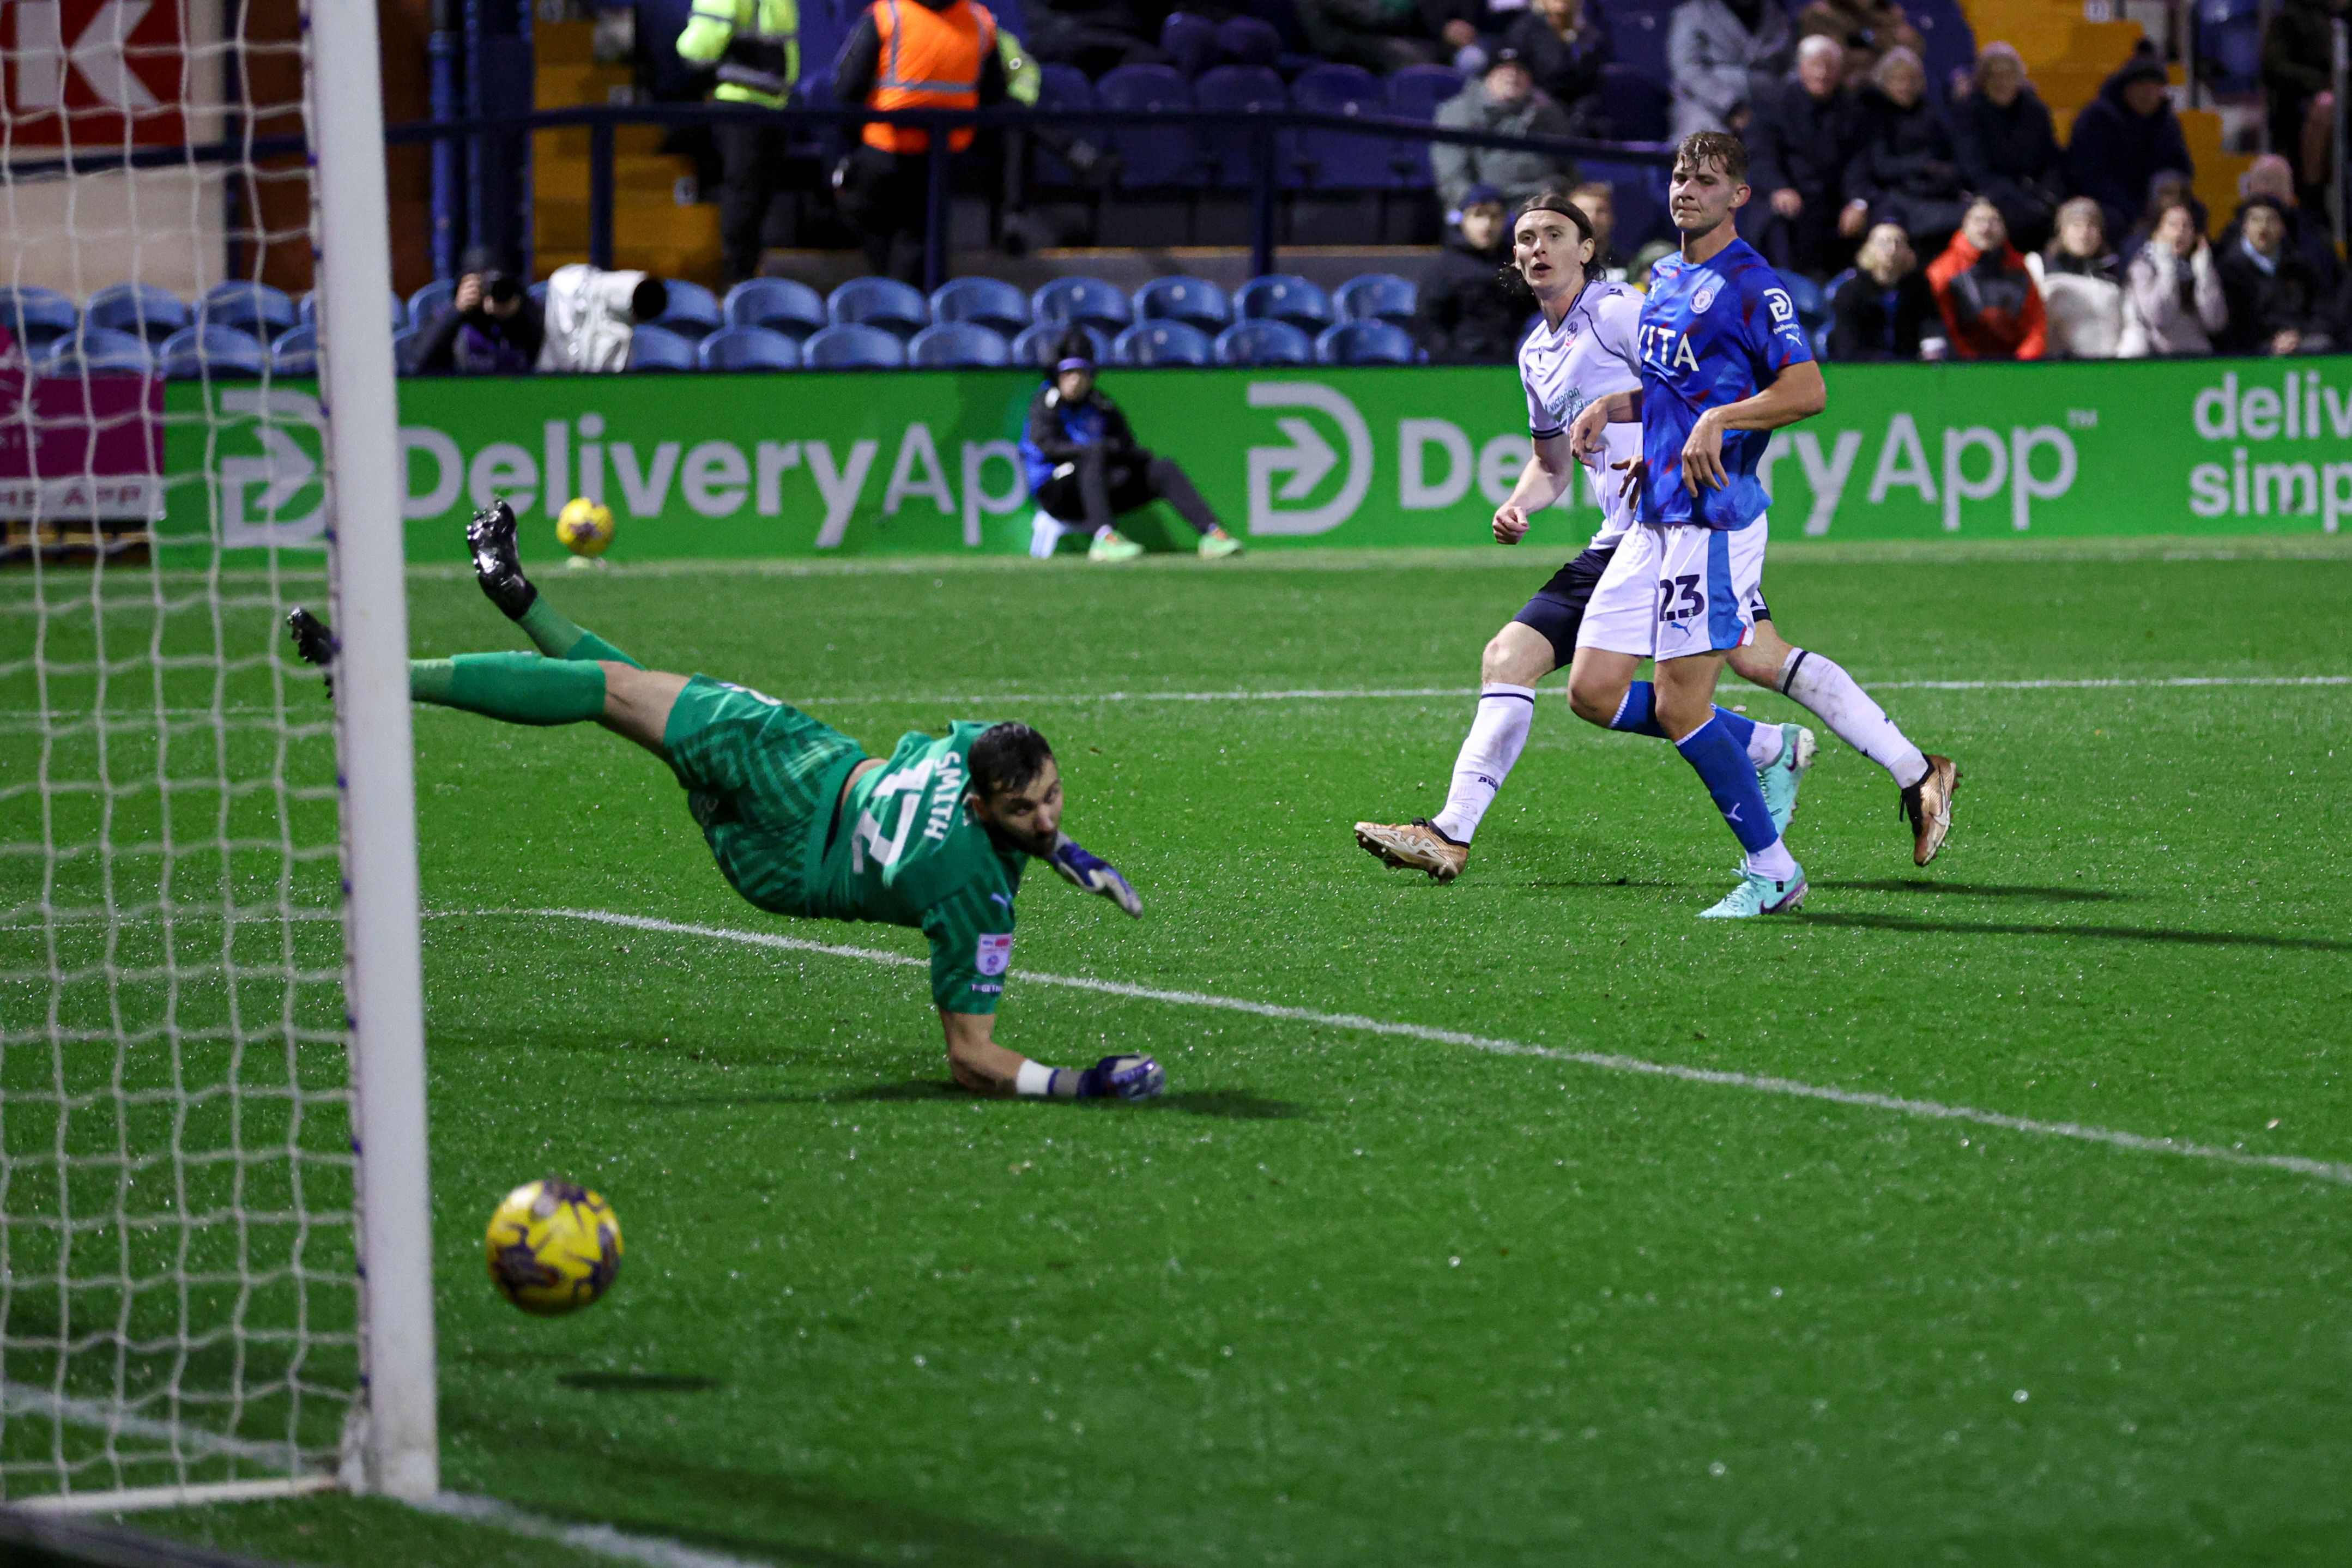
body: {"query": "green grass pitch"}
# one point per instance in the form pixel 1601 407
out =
pixel 1352 1299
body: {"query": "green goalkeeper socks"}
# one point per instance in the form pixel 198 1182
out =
pixel 559 639
pixel 519 688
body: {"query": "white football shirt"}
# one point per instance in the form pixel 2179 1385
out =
pixel 1591 354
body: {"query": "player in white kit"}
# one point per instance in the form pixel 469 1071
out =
pixel 1582 350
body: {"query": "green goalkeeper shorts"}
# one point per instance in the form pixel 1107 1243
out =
pixel 762 779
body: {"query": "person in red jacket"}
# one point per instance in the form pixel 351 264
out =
pixel 1991 309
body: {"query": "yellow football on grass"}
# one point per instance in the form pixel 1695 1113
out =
pixel 554 1247
pixel 585 526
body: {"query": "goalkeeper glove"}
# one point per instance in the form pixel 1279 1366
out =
pixel 1128 1077
pixel 1090 872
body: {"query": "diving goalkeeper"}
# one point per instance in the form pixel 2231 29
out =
pixel 801 821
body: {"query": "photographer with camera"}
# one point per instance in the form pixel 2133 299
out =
pixel 490 327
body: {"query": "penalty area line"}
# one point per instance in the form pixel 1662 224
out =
pixel 1606 1061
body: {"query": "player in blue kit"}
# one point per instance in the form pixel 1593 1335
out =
pixel 1725 361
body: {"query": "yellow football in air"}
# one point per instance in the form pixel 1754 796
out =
pixel 554 1247
pixel 585 526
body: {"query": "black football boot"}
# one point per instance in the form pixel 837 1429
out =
pixel 314 643
pixel 498 565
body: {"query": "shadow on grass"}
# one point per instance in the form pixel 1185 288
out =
pixel 2107 933
pixel 1976 890
pixel 1233 1105
pixel 638 1382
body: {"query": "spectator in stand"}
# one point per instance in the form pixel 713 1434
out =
pixel 1096 36
pixel 2083 290
pixel 1462 28
pixel 2008 153
pixel 942 54
pixel 756 47
pixel 1464 315
pixel 1597 200
pixel 2123 138
pixel 489 328
pixel 1886 309
pixel 2275 302
pixel 1717 51
pixel 1802 139
pixel 2273 176
pixel 1379 35
pixel 1865 29
pixel 2169 189
pixel 1565 47
pixel 1992 309
pixel 2297 46
pixel 1504 100
pixel 2173 290
pixel 1902 167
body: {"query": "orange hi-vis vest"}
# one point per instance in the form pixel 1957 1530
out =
pixel 931 59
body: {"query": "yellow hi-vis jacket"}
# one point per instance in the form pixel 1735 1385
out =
pixel 755 43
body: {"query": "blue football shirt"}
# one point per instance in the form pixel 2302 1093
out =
pixel 1712 334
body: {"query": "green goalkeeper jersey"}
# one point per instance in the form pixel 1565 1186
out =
pixel 909 852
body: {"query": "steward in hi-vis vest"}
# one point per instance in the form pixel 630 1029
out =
pixel 756 44
pixel 909 54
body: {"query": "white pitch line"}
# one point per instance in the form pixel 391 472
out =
pixel 1343 693
pixel 2325 1170
pixel 654 1551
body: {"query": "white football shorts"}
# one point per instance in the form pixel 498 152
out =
pixel 1670 592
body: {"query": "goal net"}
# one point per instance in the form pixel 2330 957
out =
pixel 182 1233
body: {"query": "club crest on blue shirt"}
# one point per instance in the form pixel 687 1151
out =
pixel 1704 295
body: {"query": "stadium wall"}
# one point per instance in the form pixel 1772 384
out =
pixel 912 462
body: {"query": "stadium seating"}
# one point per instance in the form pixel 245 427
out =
pixel 429 301
pixel 747 349
pixel 1088 301
pixel 1377 294
pixel 1333 159
pixel 1283 297
pixel 778 304
pixel 884 303
pixel 140 309
pixel 2230 44
pixel 1037 346
pixel 1637 35
pixel 296 351
pixel 1195 301
pixel 1163 342
pixel 254 308
pixel 1248 41
pixel 958 344
pixel 1371 342
pixel 1151 155
pixel 692 312
pixel 1060 88
pixel 988 302
pixel 1191 42
pixel 1240 90
pixel 1415 91
pixel 37 317
pixel 212 352
pixel 1638 191
pixel 1263 342
pixel 853 347
pixel 1639 106
pixel 98 350
pixel 656 348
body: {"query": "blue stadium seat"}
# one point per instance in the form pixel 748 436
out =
pixel 1190 41
pixel 428 302
pixel 1062 88
pixel 958 344
pixel 1335 160
pixel 194 354
pixel 1382 295
pixel 1951 43
pixel 1812 306
pixel 749 349
pixel 1239 90
pixel 1087 300
pixel 295 352
pixel 1151 156
pixel 1369 343
pixel 37 317
pixel 98 350
pixel 854 347
pixel 1037 345
pixel 403 343
pixel 1163 342
pixel 140 309
pixel 2230 43
pixel 879 302
pixel 1415 91
pixel 1249 41
pixel 1195 301
pixel 1263 342
pixel 1637 35
pixel 692 312
pixel 306 310
pixel 1639 108
pixel 778 304
pixel 1283 297
pixel 1638 191
pixel 254 308
pixel 989 302
pixel 656 348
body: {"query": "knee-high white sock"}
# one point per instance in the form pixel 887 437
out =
pixel 1764 742
pixel 1815 681
pixel 1496 737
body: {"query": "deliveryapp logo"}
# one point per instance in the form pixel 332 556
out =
pixel 1306 461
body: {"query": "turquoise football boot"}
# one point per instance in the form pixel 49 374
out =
pixel 1785 774
pixel 1761 895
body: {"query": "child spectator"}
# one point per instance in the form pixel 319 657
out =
pixel 2174 293
pixel 1885 311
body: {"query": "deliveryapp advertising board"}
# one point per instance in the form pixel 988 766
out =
pixel 923 462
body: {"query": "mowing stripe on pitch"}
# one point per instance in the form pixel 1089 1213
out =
pixel 2324 1170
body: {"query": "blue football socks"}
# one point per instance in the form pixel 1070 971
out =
pixel 1638 714
pixel 1723 766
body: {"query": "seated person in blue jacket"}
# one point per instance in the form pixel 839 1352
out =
pixel 1086 469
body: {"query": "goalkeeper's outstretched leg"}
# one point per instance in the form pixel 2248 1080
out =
pixel 800 820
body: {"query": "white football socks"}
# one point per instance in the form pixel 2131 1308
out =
pixel 1496 737
pixel 1764 744
pixel 1816 681
pixel 1773 861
